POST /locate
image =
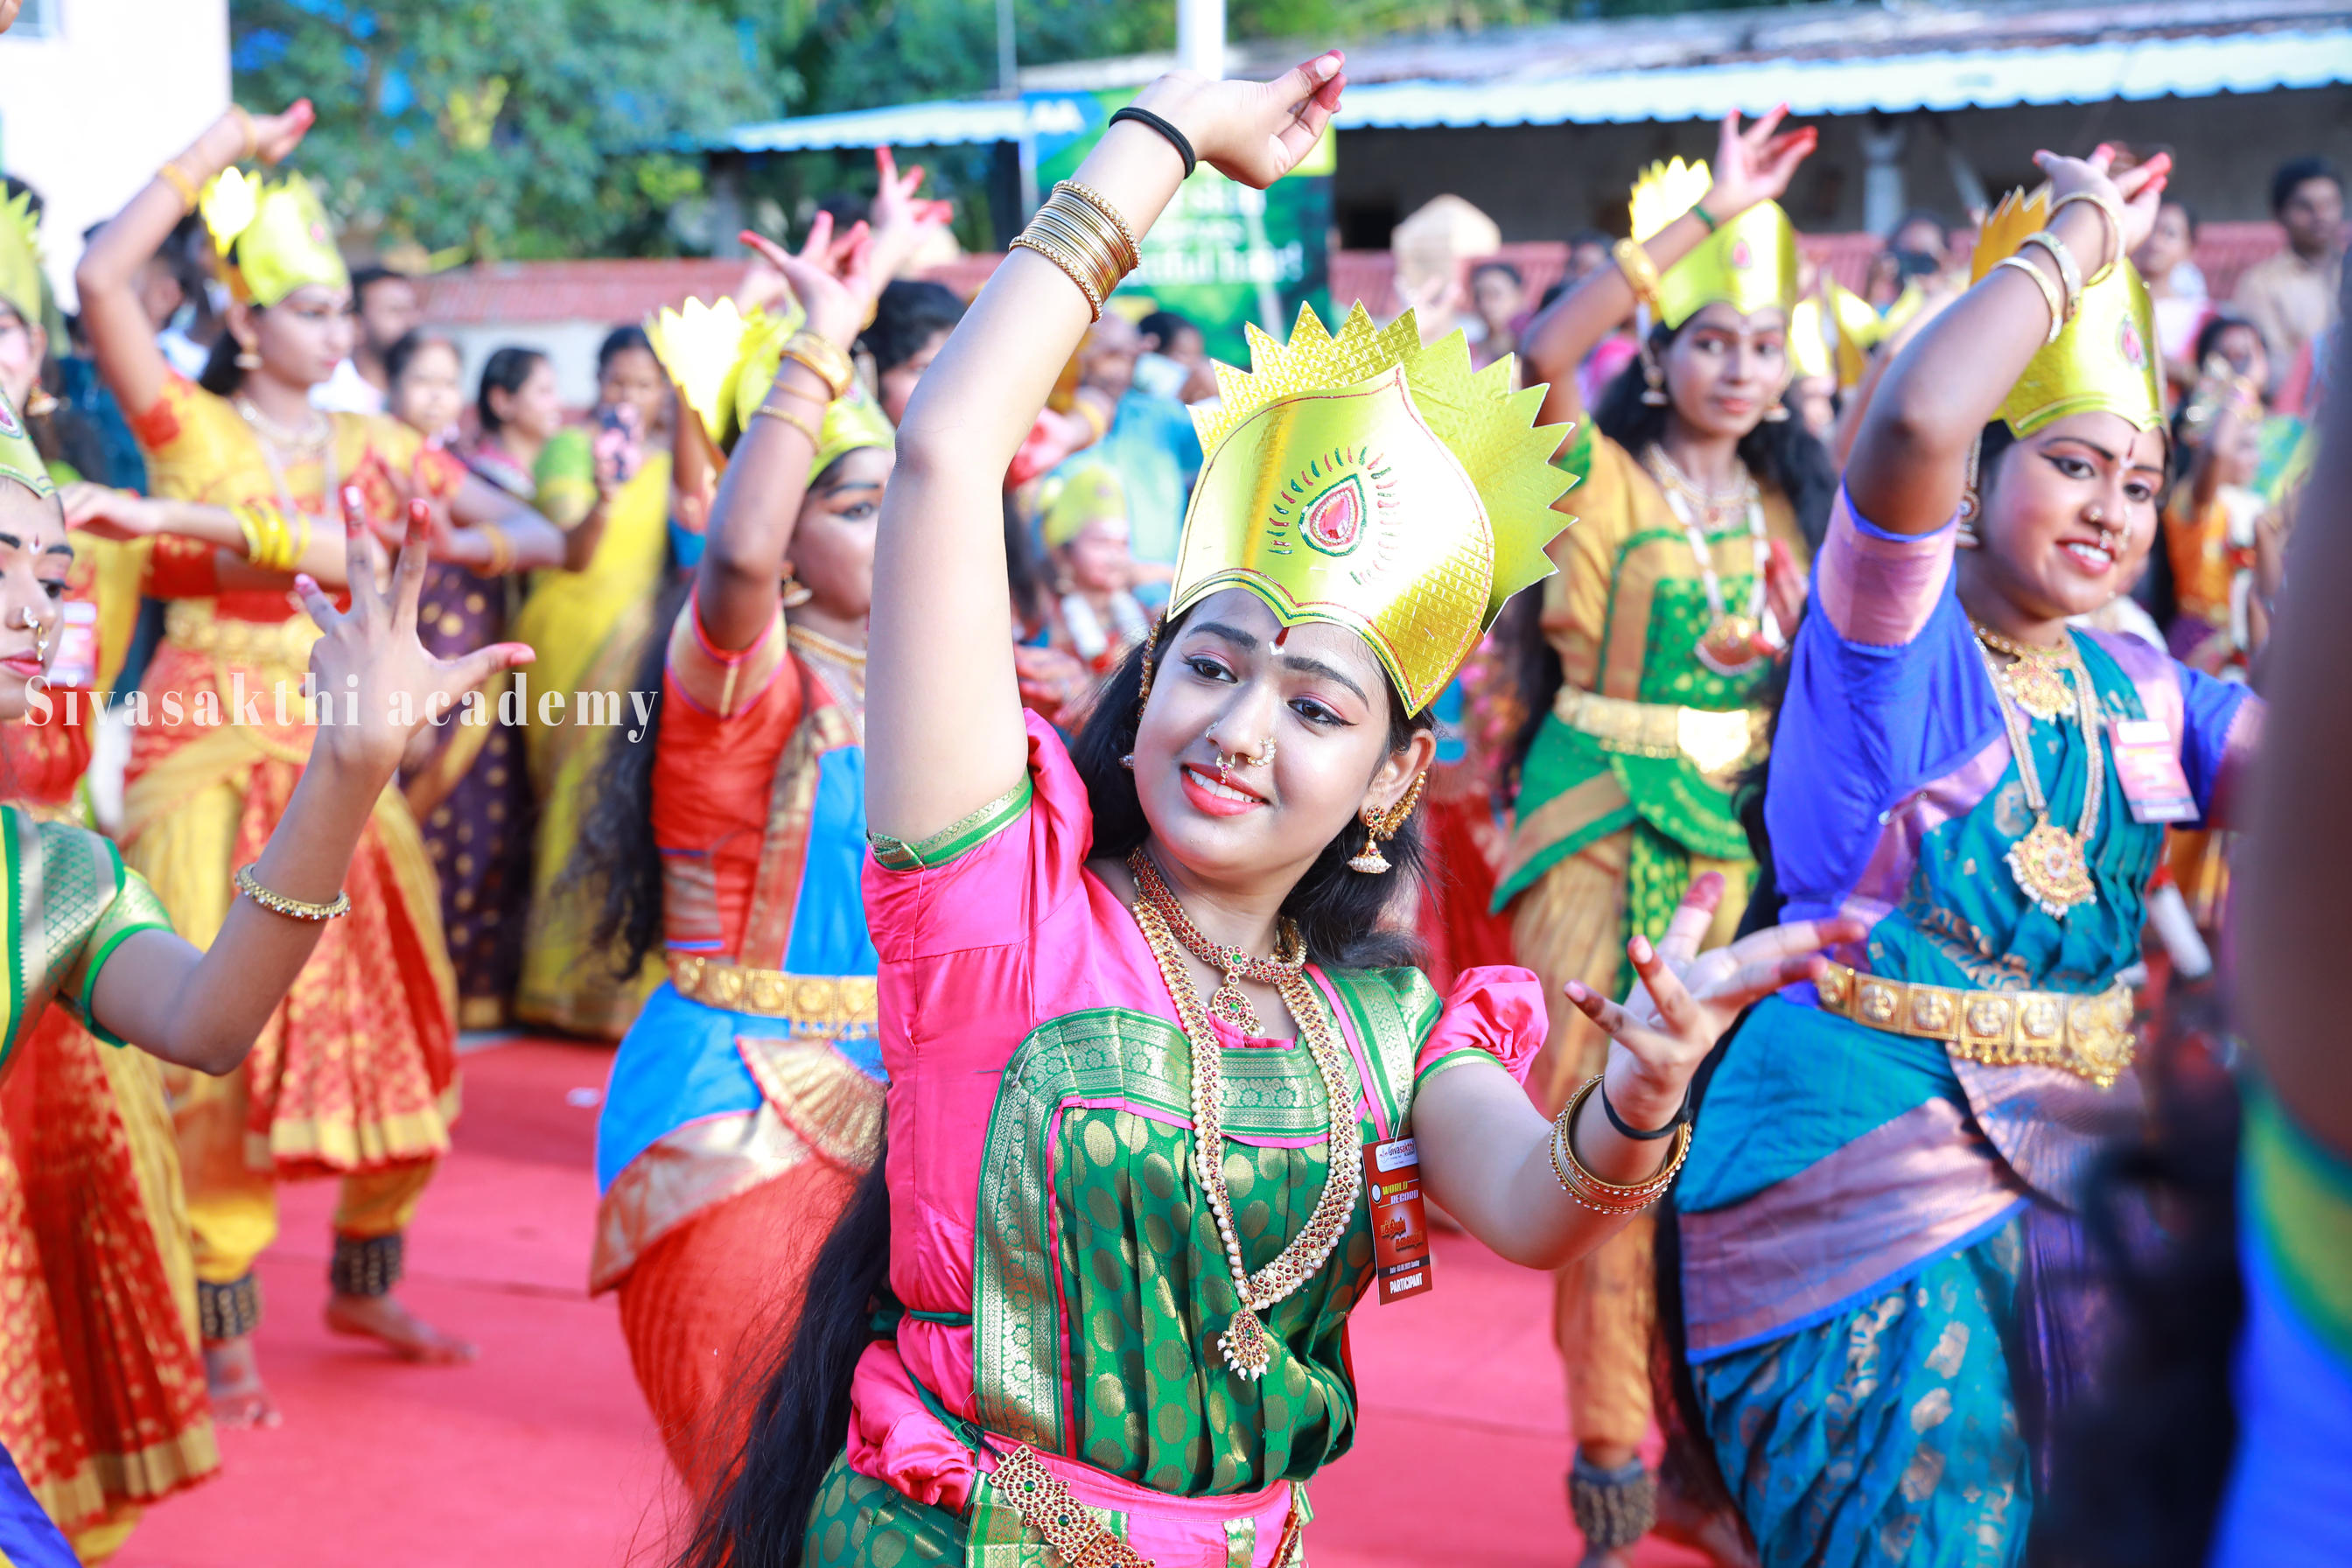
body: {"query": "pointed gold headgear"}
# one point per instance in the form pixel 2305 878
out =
pixel 20 257
pixel 19 460
pixel 1370 482
pixel 724 360
pixel 1749 261
pixel 2105 359
pixel 272 239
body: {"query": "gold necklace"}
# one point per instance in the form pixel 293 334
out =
pixel 1247 1348
pixel 1728 646
pixel 2036 678
pixel 1227 1001
pixel 2050 866
pixel 309 438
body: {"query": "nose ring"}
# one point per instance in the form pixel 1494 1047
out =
pixel 1228 762
pixel 40 630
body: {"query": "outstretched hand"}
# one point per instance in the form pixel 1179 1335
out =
pixel 835 280
pixel 1252 132
pixel 275 136
pixel 110 513
pixel 1755 164
pixel 377 683
pixel 1686 999
pixel 2137 191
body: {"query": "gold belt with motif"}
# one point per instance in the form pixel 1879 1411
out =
pixel 818 1001
pixel 1711 742
pixel 2090 1036
pixel 192 624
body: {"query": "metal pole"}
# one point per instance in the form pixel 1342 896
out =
pixel 1008 56
pixel 1201 36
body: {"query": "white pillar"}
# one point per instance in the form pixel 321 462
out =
pixel 1882 196
pixel 1201 36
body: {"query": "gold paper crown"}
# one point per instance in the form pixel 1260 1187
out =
pixel 724 360
pixel 20 257
pixel 1749 261
pixel 272 239
pixel 2105 359
pixel 1370 482
pixel 19 460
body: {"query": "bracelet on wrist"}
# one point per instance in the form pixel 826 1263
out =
pixel 824 358
pixel 1698 210
pixel 1174 137
pixel 292 908
pixel 1681 1115
pixel 184 187
pixel 1590 1190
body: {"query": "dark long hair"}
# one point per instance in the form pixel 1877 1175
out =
pixel 1339 911
pixel 222 374
pixel 618 856
pixel 1782 454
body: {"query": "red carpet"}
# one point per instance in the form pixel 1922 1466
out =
pixel 540 1455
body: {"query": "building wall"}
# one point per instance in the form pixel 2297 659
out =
pixel 1540 182
pixel 114 89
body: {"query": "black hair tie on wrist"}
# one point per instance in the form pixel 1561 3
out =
pixel 1176 138
pixel 1640 1137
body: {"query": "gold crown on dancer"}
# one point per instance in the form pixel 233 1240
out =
pixel 725 360
pixel 272 239
pixel 1749 261
pixel 2105 359
pixel 20 257
pixel 1377 484
pixel 19 460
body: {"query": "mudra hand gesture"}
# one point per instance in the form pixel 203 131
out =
pixel 369 666
pixel 1755 164
pixel 1252 132
pixel 1686 999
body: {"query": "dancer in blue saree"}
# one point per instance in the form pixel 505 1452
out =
pixel 1877 1219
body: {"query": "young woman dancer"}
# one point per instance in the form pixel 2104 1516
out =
pixel 1877 1227
pixel 90 935
pixel 1124 1222
pixel 358 1080
pixel 1696 502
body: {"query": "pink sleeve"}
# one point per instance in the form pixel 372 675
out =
pixel 1879 588
pixel 1497 1011
pixel 991 880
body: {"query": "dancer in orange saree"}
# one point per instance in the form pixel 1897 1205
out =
pixel 357 1076
pixel 125 1417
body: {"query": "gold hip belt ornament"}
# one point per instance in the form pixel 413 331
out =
pixel 1713 742
pixel 2089 1035
pixel 820 1001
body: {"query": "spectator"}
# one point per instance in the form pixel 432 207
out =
pixel 426 385
pixel 1097 618
pixel 520 409
pixel 389 308
pixel 911 321
pixel 1589 251
pixel 1176 363
pixel 1922 233
pixel 2177 288
pixel 2237 343
pixel 1499 299
pixel 1150 446
pixel 2292 295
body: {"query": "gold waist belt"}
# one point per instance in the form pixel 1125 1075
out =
pixel 818 1001
pixel 191 625
pixel 1713 743
pixel 2090 1036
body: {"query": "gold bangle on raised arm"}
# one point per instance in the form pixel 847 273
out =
pixel 2070 275
pixel 2109 210
pixel 292 908
pixel 2049 294
pixel 1640 271
pixel 1590 1191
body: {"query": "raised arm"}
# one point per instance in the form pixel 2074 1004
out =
pixel 205 1009
pixel 1909 463
pixel 943 728
pixel 120 335
pixel 1751 166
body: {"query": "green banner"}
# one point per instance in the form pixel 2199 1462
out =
pixel 1222 254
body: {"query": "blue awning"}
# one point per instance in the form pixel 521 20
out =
pixel 1989 78
pixel 2195 67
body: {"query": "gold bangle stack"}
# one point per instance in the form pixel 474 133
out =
pixel 1639 269
pixel 824 358
pixel 271 541
pixel 2112 212
pixel 1590 1191
pixel 292 908
pixel 1081 233
pixel 502 550
pixel 2049 294
pixel 2070 276
pixel 177 178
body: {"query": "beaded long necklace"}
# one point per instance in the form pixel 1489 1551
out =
pixel 2052 866
pixel 1729 645
pixel 1247 1348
